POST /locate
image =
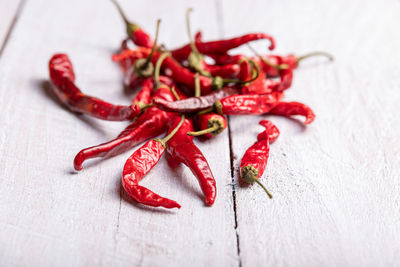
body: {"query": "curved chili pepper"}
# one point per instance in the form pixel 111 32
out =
pixel 62 77
pixel 288 109
pixel 255 158
pixel 271 131
pixel 181 149
pixel 221 46
pixel 139 164
pixel 194 104
pixel 150 124
pixel 210 124
pixel 138 36
pixel 245 104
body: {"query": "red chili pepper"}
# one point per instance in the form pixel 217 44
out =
pixel 221 46
pixel 266 86
pixel 226 71
pixel 223 59
pixel 210 124
pixel 181 149
pixel 272 64
pixel 245 71
pixel 288 109
pixel 255 158
pixel 245 104
pixel 127 57
pixel 62 77
pixel 139 164
pixel 134 31
pixel 150 124
pixel 194 104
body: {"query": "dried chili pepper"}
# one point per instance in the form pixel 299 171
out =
pixel 225 71
pixel 288 109
pixel 272 64
pixel 221 46
pixel 142 67
pixel 210 124
pixel 245 104
pixel 139 164
pixel 62 77
pixel 134 31
pixel 255 158
pixel 181 149
pixel 194 104
pixel 150 124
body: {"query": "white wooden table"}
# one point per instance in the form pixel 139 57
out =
pixel 335 183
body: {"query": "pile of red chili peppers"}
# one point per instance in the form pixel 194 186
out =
pixel 183 96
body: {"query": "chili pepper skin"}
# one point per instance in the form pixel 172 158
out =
pixel 223 59
pixel 194 104
pixel 288 109
pixel 150 124
pixel 181 149
pixel 138 165
pixel 245 71
pixel 271 132
pixel 221 46
pixel 247 104
pixel 226 71
pixel 210 121
pixel 62 77
pixel 127 57
pixel 255 158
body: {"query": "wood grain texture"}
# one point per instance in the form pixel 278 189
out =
pixel 335 183
pixel 52 216
pixel 9 15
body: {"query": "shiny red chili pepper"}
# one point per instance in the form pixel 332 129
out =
pixel 150 124
pixel 288 109
pixel 221 46
pixel 62 77
pixel 194 104
pixel 255 158
pixel 245 71
pixel 138 36
pixel 245 104
pixel 225 71
pixel 139 164
pixel 210 125
pixel 181 149
pixel 127 57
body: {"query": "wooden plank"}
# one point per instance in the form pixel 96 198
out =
pixel 8 16
pixel 51 216
pixel 335 182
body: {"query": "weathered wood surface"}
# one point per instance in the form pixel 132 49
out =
pixel 335 182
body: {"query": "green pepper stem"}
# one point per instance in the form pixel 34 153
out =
pixel 316 53
pixel 197 89
pixel 153 49
pixel 205 111
pixel 157 70
pixel 189 32
pixel 205 131
pixel 267 62
pixel 121 12
pixel 173 132
pixel 175 93
pixel 263 187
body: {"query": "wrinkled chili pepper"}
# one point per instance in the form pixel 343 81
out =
pixel 138 36
pixel 288 109
pixel 139 164
pixel 225 71
pixel 181 149
pixel 210 124
pixel 194 104
pixel 272 64
pixel 142 67
pixel 221 46
pixel 62 77
pixel 245 104
pixel 255 158
pixel 150 124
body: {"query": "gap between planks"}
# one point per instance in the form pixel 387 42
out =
pixel 220 21
pixel 12 25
